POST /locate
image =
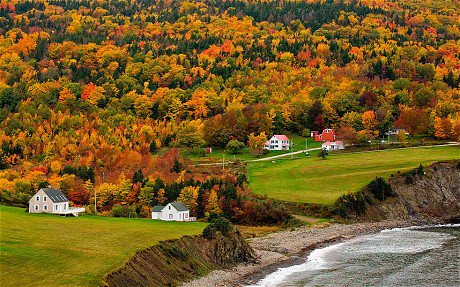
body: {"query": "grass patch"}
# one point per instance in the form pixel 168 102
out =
pixel 48 250
pixel 245 155
pixel 313 180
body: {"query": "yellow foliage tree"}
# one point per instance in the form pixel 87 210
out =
pixel 189 196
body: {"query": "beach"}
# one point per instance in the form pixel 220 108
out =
pixel 288 247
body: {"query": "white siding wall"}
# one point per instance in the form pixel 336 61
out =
pixel 41 203
pixel 276 144
pixel 169 213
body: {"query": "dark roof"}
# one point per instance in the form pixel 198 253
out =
pixel 55 195
pixel 157 208
pixel 179 206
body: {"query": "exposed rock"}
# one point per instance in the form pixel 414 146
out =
pixel 433 196
pixel 174 261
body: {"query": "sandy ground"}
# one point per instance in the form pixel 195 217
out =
pixel 285 248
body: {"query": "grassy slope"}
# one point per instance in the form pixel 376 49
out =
pixel 322 181
pixel 48 250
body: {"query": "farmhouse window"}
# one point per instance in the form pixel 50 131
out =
pixel 44 198
pixel 36 207
pixel 170 216
pixel 38 198
pixel 45 207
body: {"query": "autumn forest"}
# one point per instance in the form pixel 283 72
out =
pixel 104 95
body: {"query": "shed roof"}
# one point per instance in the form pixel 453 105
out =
pixel 55 195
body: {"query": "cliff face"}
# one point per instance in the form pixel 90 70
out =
pixel 172 262
pixel 432 195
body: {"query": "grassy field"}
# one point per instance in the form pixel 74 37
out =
pixel 48 250
pixel 320 181
pixel 217 154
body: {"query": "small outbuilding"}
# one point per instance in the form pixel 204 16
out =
pixel 335 145
pixel 52 200
pixel 174 211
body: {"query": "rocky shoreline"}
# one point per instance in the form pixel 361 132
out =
pixel 288 247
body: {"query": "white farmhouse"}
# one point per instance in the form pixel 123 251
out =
pixel 52 200
pixel 336 145
pixel 174 211
pixel 277 142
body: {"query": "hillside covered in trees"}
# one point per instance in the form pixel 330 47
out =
pixel 91 90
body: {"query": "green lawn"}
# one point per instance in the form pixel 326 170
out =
pixel 314 180
pixel 48 250
pixel 218 154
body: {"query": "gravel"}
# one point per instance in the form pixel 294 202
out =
pixel 287 247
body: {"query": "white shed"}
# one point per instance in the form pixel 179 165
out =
pixel 336 145
pixel 174 211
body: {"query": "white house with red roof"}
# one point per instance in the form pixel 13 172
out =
pixel 278 142
pixel 335 145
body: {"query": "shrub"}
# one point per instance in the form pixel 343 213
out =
pixel 323 153
pixel 123 211
pixel 380 188
pixel 419 170
pixel 218 223
pixel 222 224
pixel 235 147
pixel 209 232
pixel 351 203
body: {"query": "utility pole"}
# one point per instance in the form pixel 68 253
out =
pixel 95 203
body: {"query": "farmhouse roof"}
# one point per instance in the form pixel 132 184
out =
pixel 179 206
pixel 333 143
pixel 158 208
pixel 55 195
pixel 281 137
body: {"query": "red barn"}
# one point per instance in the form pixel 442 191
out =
pixel 326 135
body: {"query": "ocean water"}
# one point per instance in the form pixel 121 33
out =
pixel 414 256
